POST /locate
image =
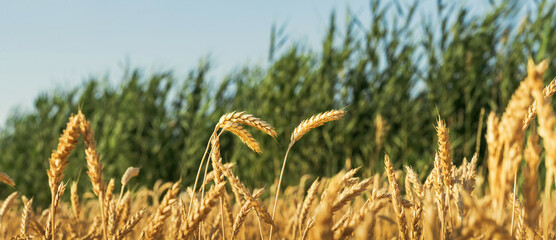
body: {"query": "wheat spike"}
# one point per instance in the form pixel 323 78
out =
pixel 94 165
pixel 247 119
pixel 25 218
pixel 59 160
pixel 7 204
pixel 350 194
pixel 324 215
pixel 340 223
pixel 240 218
pixel 244 135
pixel 242 214
pixel 74 200
pixel 304 127
pixel 396 202
pixel 348 177
pixel 417 223
pixel 153 228
pixel 128 226
pixel 123 208
pixel 92 156
pixel 548 92
pixel 315 121
pixel 6 179
pixel 311 195
pixel 470 174
pixel 203 210
pixel 445 151
pixel 130 173
pixel 59 157
pixel 244 192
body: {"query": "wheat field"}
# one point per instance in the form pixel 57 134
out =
pixel 396 204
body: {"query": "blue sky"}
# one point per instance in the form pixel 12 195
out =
pixel 47 45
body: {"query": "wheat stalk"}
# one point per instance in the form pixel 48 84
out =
pixel 546 130
pixel 304 127
pixel 123 208
pixel 530 172
pixel 51 227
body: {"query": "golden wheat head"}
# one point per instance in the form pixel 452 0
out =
pixel 315 121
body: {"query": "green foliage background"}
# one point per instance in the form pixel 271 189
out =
pixel 453 64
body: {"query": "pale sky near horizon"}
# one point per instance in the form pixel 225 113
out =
pixel 48 45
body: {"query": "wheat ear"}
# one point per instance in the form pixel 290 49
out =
pixel 240 218
pixel 417 223
pixel 445 151
pixel 339 226
pixel 244 192
pixel 6 179
pixel 315 121
pixel 59 157
pixel 546 131
pixel 74 200
pixel 348 177
pixel 123 208
pixel 130 173
pixel 242 214
pixel 203 210
pixel 395 191
pixel 245 136
pixel 25 218
pixel 249 120
pixel 323 219
pixel 350 194
pixel 153 228
pixel 94 165
pixel 7 204
pixel 128 226
pixel 311 195
pixel 548 91
pixel 225 121
pixel 304 127
pixel 59 160
pixel 224 205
